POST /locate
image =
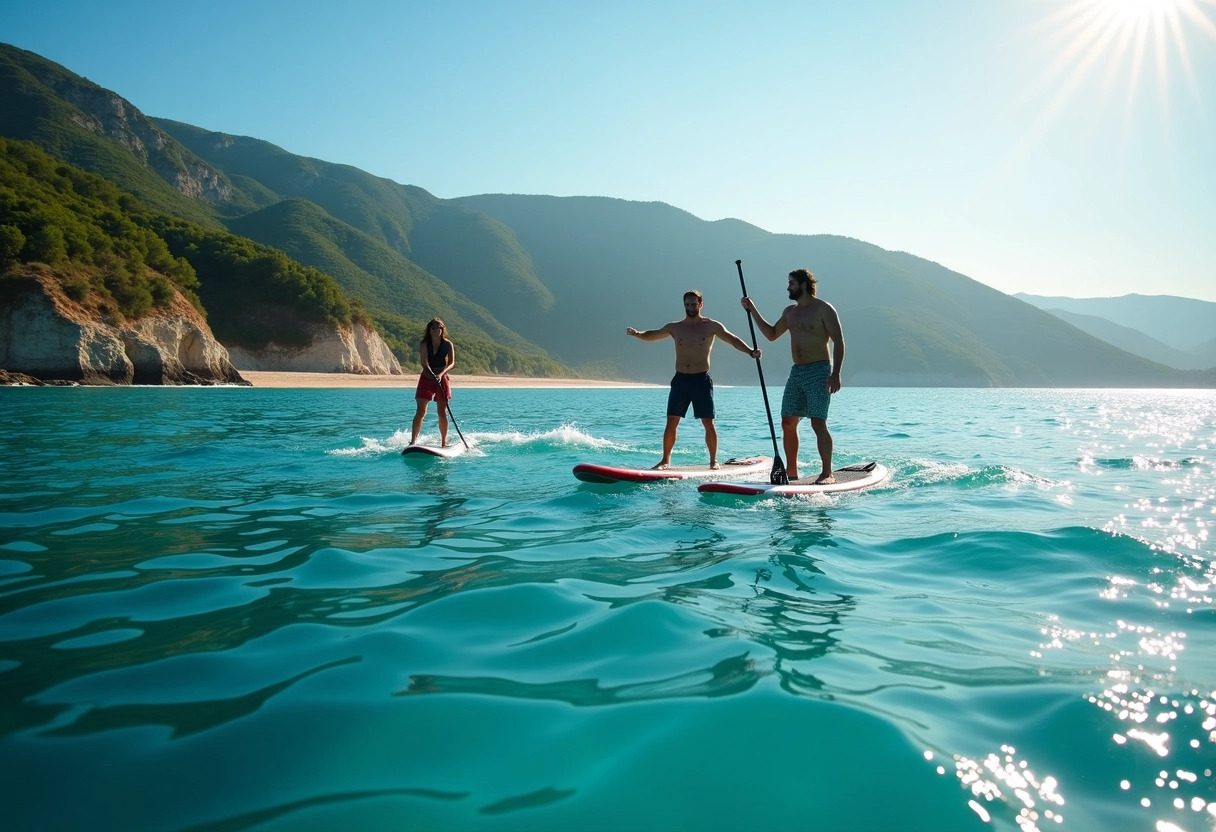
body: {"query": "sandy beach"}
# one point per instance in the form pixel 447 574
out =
pixel 259 378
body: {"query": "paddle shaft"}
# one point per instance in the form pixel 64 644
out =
pixel 451 415
pixel 778 465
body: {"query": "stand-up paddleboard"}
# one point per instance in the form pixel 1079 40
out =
pixel 851 478
pixel 590 472
pixel 422 451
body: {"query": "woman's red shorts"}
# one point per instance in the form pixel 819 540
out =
pixel 429 389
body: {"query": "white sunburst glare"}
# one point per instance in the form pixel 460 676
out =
pixel 1124 45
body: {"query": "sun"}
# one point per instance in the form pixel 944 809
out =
pixel 1127 44
pixel 1134 11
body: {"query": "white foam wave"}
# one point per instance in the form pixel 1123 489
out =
pixel 566 435
pixel 563 436
pixel 373 446
pixel 931 471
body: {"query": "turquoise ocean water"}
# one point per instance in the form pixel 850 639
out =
pixel 231 608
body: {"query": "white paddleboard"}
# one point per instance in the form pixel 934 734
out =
pixel 423 451
pixel 850 478
pixel 590 472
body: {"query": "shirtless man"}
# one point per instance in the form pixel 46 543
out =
pixel 694 337
pixel 811 323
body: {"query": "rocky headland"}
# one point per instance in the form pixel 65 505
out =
pixel 45 336
pixel 48 338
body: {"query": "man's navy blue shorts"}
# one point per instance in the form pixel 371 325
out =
pixel 696 389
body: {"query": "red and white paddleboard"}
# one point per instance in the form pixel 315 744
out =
pixel 590 472
pixel 851 478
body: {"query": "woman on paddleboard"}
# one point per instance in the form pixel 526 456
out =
pixel 438 357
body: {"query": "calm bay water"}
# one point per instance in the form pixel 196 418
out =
pixel 234 608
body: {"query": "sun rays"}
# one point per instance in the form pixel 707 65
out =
pixel 1126 44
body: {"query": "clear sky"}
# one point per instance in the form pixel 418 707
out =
pixel 1057 147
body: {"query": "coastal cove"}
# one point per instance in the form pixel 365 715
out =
pixel 235 607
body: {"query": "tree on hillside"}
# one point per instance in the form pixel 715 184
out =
pixel 53 213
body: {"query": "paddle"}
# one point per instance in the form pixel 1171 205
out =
pixel 451 415
pixel 778 475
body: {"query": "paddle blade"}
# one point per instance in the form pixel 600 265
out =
pixel 778 475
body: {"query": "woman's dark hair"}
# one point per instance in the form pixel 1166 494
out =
pixel 431 325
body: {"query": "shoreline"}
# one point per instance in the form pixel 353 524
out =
pixel 269 379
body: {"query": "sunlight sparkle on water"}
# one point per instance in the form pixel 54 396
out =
pixel 1000 779
pixel 1174 788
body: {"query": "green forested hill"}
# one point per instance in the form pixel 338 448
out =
pixel 366 267
pixel 393 288
pixel 469 251
pixel 97 237
pixel 73 119
pixel 79 122
pixel 115 256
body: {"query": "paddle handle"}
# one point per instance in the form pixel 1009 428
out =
pixel 779 466
pixel 750 327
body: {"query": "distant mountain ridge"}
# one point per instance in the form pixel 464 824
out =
pixel 1178 332
pixel 561 277
pixel 1133 341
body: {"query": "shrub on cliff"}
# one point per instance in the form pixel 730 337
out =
pixel 12 241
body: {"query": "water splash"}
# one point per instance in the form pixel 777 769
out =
pixel 564 436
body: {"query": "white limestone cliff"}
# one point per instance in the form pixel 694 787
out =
pixel 47 336
pixel 358 350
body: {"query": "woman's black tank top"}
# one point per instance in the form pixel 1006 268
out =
pixel 437 359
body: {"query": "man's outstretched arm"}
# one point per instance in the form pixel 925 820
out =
pixel 648 334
